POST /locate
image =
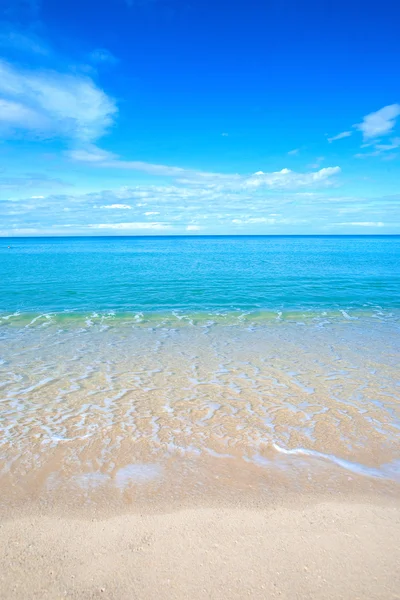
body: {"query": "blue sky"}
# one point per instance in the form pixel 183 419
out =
pixel 196 117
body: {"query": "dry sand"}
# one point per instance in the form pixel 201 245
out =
pixel 319 550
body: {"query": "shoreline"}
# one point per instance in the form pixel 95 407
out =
pixel 184 483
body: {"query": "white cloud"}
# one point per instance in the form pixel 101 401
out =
pixel 347 210
pixel 225 134
pixel 268 221
pixel 185 209
pixel 294 152
pixel 365 223
pixel 253 221
pixel 34 181
pixel 151 212
pixel 23 231
pixel 367 154
pixel 129 226
pixel 275 180
pixel 117 206
pixel 91 154
pixel 49 103
pixel 16 115
pixel 380 122
pixel 339 136
pixel 290 179
pixel 374 126
pixel 394 143
pixel 381 149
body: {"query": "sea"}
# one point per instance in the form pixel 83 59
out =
pixel 134 367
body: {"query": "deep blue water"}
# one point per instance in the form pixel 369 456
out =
pixel 197 274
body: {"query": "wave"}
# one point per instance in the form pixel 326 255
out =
pixel 205 319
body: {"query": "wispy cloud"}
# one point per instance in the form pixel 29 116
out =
pixel 116 206
pixel 290 179
pixel 92 154
pixel 102 56
pixel 254 221
pixel 317 163
pixel 339 136
pixel 177 208
pixel 96 156
pixel 47 103
pixel 379 123
pixel 17 115
pixel 393 144
pixel 275 180
pixel 374 126
pixel 22 42
pixel 31 180
pixel 381 149
pixel 267 221
pixel 294 152
pixel 363 224
pixel 130 226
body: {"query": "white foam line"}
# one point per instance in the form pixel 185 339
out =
pixel 35 319
pixel 218 454
pixel 347 316
pixel 6 317
pixel 386 471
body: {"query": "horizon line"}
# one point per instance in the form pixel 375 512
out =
pixel 210 235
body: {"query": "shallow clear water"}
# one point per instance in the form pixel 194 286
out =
pixel 123 358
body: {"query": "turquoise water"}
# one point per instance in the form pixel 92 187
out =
pixel 120 354
pixel 199 274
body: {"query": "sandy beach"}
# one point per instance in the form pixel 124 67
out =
pixel 199 453
pixel 316 549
